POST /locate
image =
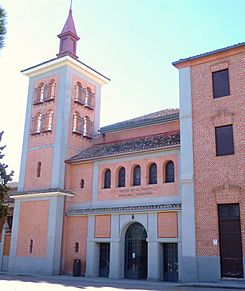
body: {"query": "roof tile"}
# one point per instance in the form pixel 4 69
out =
pixel 155 117
pixel 128 146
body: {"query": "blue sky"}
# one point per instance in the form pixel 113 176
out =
pixel 133 42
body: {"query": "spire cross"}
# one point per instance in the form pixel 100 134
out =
pixel 71 5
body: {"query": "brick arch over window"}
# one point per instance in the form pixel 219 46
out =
pixel 169 172
pixel 153 173
pixel 107 179
pixel 137 175
pixel 121 177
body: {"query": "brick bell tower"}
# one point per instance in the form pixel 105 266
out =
pixel 62 116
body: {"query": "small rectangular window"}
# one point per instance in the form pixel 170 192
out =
pixel 224 140
pixel 82 183
pixel 39 165
pixel 31 246
pixel 221 84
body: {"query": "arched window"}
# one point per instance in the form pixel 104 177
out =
pixel 89 99
pixel 79 93
pixel 38 94
pixel 88 93
pixel 88 127
pixel 75 121
pixel 40 91
pixel 121 177
pixel 49 120
pixel 38 122
pixel 50 90
pixel 137 176
pixel 169 172
pixel 107 179
pixel 153 174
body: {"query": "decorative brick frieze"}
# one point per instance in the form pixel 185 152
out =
pixel 120 209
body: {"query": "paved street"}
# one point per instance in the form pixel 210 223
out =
pixel 64 283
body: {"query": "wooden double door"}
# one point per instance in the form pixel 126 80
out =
pixel 231 255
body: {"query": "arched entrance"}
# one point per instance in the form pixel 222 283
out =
pixel 136 252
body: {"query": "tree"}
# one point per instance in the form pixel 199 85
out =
pixel 2 26
pixel 4 179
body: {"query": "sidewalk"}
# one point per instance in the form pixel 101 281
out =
pixel 148 285
pixel 228 284
pixel 225 283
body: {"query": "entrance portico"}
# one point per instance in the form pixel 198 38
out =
pixel 139 257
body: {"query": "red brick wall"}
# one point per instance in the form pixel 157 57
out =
pixel 211 171
pixel 167 224
pixel 45 156
pixel 35 229
pixel 74 174
pixel 75 230
pixel 102 226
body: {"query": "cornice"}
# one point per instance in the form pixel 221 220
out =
pixel 124 209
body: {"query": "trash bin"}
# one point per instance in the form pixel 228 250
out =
pixel 76 268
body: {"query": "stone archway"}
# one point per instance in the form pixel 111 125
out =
pixel 135 252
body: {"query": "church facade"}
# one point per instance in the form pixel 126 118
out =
pixel 158 197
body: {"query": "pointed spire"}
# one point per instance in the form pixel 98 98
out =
pixel 68 37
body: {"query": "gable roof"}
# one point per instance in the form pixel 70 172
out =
pixel 209 53
pixel 151 118
pixel 128 146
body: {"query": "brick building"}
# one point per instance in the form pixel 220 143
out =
pixel 167 206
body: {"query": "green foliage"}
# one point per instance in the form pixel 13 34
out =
pixel 2 26
pixel 4 179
